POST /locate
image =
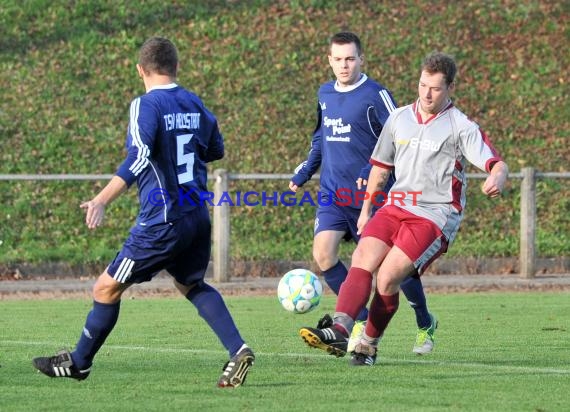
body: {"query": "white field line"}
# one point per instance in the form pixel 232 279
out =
pixel 474 365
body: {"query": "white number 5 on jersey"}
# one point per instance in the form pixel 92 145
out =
pixel 185 158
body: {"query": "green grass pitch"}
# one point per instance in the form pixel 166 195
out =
pixel 494 352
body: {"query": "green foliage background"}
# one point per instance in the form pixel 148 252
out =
pixel 68 78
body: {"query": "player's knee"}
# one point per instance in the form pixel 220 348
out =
pixel 324 259
pixel 106 294
pixel 183 289
pixel 387 283
pixel 359 257
pixel 388 288
pixel 108 290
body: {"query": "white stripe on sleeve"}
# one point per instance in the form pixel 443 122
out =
pixel 142 150
pixel 387 100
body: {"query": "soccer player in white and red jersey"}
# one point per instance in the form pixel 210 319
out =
pixel 170 138
pixel 352 111
pixel 428 144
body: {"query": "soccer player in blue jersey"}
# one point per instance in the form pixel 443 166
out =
pixel 170 138
pixel 428 143
pixel 351 114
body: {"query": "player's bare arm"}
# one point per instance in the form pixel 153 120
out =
pixel 96 206
pixel 494 184
pixel 376 182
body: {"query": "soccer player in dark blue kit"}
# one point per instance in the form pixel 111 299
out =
pixel 351 113
pixel 171 136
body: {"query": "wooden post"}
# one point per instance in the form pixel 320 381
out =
pixel 221 228
pixel 528 223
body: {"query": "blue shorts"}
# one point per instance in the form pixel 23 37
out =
pixel 338 218
pixel 181 247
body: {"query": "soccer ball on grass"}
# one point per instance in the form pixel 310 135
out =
pixel 299 291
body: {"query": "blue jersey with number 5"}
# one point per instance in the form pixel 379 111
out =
pixel 171 137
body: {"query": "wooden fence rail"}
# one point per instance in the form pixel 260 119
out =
pixel 221 213
pixel 528 176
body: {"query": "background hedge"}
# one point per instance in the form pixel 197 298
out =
pixel 68 78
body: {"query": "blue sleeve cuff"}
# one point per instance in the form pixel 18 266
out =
pixel 365 172
pixel 124 173
pixel 299 179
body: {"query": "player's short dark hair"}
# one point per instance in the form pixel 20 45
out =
pixel 438 62
pixel 159 55
pixel 346 37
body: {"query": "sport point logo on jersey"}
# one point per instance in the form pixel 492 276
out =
pixel 343 197
pixel 337 127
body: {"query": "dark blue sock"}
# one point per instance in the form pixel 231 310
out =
pixel 363 315
pixel 334 278
pixel 212 308
pixel 335 275
pixel 98 325
pixel 414 292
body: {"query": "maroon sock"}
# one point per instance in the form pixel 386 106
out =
pixel 382 308
pixel 341 329
pixel 354 292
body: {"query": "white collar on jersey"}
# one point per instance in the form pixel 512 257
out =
pixel 363 78
pixel 163 87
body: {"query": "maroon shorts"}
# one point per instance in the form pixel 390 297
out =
pixel 419 238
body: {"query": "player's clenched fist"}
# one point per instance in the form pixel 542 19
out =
pixel 495 182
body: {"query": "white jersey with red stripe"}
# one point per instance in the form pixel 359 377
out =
pixel 429 160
